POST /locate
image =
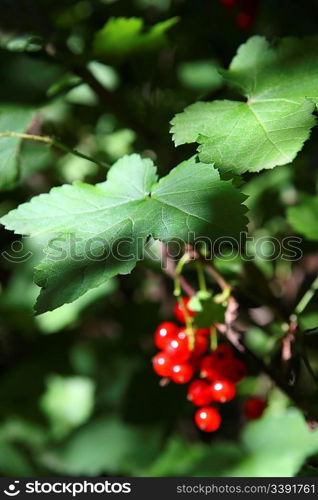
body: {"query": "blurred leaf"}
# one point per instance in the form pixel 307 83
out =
pixel 274 446
pixel 106 75
pixel 106 446
pixel 118 144
pixel 277 445
pixel 123 36
pixel 68 402
pixel 74 168
pixel 13 462
pixel 181 458
pixel 65 81
pixel 53 321
pixel 200 75
pixel 12 119
pixel 20 43
pixel 82 94
pixel 303 217
pixel 159 4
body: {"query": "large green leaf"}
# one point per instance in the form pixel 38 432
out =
pixel 303 217
pixel 270 127
pixel 102 229
pixel 12 119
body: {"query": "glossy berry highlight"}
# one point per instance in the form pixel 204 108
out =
pixel 165 331
pixel 222 391
pixel 162 364
pixel 181 373
pixel 207 419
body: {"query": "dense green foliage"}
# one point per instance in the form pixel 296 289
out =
pixel 88 160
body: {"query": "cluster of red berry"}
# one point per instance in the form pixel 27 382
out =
pixel 247 11
pixel 183 354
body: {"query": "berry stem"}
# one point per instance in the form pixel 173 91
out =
pixel 213 338
pixel 201 276
pixel 179 268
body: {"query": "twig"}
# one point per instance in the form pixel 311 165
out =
pixel 210 268
pixel 53 142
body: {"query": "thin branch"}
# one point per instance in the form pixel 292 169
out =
pixel 54 143
pixel 211 269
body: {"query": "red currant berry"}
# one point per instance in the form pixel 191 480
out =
pixel 228 3
pixel 201 345
pixel 199 393
pixel 162 364
pixel 178 347
pixel 223 353
pixel 210 368
pixel 234 370
pixel 195 362
pixel 207 419
pixel 245 20
pixel 204 331
pixel 181 373
pixel 179 310
pixel 254 408
pixel 163 333
pixel 222 391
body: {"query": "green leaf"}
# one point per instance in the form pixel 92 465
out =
pixel 11 120
pixel 106 445
pixel 261 451
pixel 122 36
pixel 22 43
pixel 102 229
pixel 270 127
pixel 272 453
pixel 206 310
pixel 68 402
pixel 202 75
pixel 303 217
